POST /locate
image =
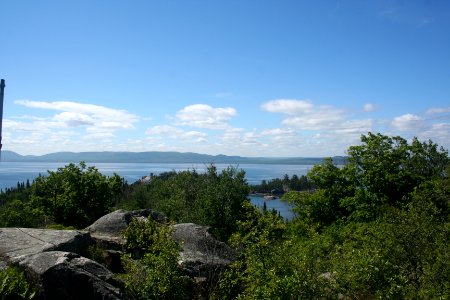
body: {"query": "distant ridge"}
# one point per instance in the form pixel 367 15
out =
pixel 160 157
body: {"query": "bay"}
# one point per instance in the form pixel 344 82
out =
pixel 280 206
pixel 13 172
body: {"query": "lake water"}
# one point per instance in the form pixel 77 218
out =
pixel 283 208
pixel 13 172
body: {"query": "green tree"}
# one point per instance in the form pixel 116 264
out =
pixel 382 171
pixel 212 198
pixel 76 195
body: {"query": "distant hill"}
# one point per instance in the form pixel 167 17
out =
pixel 159 157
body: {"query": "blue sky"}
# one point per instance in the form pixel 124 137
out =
pixel 250 78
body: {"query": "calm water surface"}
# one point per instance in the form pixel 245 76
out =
pixel 13 172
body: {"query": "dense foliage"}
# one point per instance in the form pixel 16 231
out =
pixel 151 262
pixel 376 227
pixel 13 285
pixel 285 184
pixel 212 198
pixel 71 196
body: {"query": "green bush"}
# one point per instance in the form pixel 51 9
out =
pixel 151 262
pixel 13 285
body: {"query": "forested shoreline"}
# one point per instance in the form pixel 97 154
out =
pixel 376 227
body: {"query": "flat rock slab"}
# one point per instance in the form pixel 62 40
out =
pixel 18 243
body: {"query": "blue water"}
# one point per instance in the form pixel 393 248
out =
pixel 13 172
pixel 282 207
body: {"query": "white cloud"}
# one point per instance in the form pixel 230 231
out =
pixel 440 133
pixel 369 107
pixel 12 125
pixel 304 115
pixel 438 110
pixel 322 118
pixel 327 129
pixel 176 133
pixel 67 126
pixel 76 114
pixel 277 132
pixel 354 127
pixel 99 136
pixel 408 122
pixel 306 129
pixel 205 116
pixel 288 106
pixel 166 130
pixel 74 119
pixel 232 135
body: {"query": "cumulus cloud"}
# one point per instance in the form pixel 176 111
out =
pixel 165 130
pixel 433 124
pixel 439 133
pixel 76 114
pixel 278 132
pixel 408 122
pixel 304 115
pixel 205 116
pixel 306 126
pixel 288 106
pixel 74 119
pixel 306 129
pixel 66 126
pixel 176 133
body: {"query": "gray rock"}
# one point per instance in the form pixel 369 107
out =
pixel 18 243
pixel 201 252
pixel 203 257
pixel 107 231
pixel 65 275
pixel 52 261
pixel 113 224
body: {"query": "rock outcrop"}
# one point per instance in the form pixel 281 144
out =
pixel 107 231
pixel 52 261
pixel 113 224
pixel 200 248
pixel 202 256
pixel 65 275
pixel 18 243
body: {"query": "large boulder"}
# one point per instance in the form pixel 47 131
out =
pixel 201 252
pixel 113 224
pixel 65 275
pixel 107 231
pixel 202 256
pixel 52 261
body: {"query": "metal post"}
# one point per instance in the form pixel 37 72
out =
pixel 2 94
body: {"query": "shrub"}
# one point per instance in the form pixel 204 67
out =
pixel 151 262
pixel 13 285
